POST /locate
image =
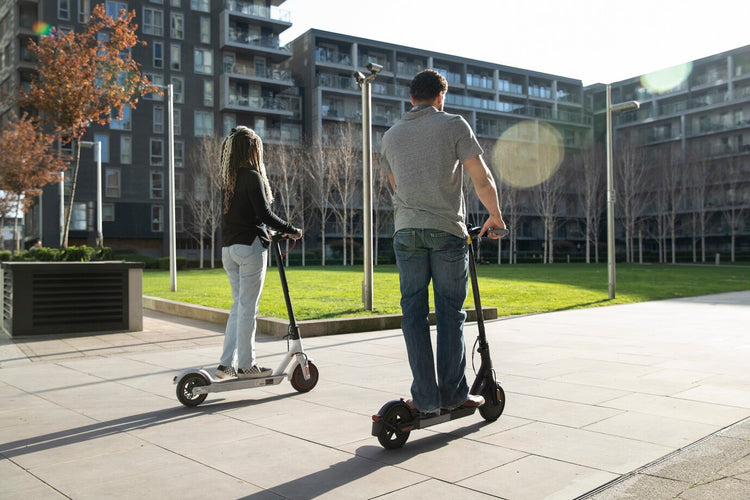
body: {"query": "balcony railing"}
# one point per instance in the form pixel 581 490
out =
pixel 287 104
pixel 238 35
pixel 249 69
pixel 248 8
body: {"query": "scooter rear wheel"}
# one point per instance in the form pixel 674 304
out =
pixel 298 378
pixel 494 404
pixel 391 436
pixel 185 389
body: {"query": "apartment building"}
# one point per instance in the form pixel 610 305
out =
pixel 694 127
pixel 223 59
pixel 491 97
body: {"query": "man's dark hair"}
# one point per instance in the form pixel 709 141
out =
pixel 427 85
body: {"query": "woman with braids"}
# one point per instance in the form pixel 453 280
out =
pixel 247 213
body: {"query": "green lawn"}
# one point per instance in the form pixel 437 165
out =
pixel 335 291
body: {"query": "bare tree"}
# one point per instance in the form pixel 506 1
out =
pixel 630 175
pixel 699 197
pixel 320 186
pixel 204 199
pixel 343 162
pixel 548 196
pixel 674 188
pixel 282 162
pixel 591 197
pixel 736 202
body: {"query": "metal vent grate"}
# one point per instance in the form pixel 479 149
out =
pixel 77 298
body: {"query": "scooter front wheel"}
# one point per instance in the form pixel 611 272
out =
pixel 391 436
pixel 185 389
pixel 298 378
pixel 494 403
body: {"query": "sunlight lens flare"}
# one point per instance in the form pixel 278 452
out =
pixel 667 79
pixel 527 154
pixel 41 28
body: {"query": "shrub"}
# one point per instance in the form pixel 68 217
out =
pixel 163 262
pixel 5 256
pixel 78 254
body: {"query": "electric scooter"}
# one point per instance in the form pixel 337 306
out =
pixel 395 420
pixel 194 384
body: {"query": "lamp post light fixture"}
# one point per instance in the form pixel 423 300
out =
pixel 97 145
pixel 612 108
pixel 364 82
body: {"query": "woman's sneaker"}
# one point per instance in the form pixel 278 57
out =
pixel 224 372
pixel 254 371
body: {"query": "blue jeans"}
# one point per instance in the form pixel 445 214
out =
pixel 246 267
pixel 423 255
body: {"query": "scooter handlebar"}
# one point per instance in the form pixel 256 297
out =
pixel 474 231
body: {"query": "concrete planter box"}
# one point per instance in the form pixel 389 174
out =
pixel 40 298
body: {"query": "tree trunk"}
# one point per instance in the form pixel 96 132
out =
pixel 74 183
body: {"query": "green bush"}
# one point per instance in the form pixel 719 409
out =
pixel 78 254
pixel 71 254
pixel 163 262
pixel 5 256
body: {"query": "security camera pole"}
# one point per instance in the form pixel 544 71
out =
pixel 612 108
pixel 364 82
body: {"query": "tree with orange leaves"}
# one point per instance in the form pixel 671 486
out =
pixel 84 78
pixel 29 163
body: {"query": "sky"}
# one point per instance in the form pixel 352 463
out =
pixel 595 41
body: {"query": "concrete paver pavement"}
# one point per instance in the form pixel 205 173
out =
pixel 601 403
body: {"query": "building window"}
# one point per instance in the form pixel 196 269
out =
pixel 208 93
pixel 176 3
pixel 179 154
pixel 124 123
pixel 177 121
pixel 158 55
pixel 157 152
pixel 205 29
pixel 78 220
pixel 156 79
pixel 153 21
pixel 230 121
pixel 157 218
pixel 63 9
pixel 84 11
pixel 104 140
pixel 200 5
pixel 112 182
pixel 177 25
pixel 179 186
pixel 113 8
pixel 157 185
pixel 158 119
pixel 179 222
pixel 204 123
pixel 204 61
pixel 178 89
pixel 126 149
pixel 175 56
pixel 108 212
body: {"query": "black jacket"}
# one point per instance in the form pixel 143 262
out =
pixel 250 213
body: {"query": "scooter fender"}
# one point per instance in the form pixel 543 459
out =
pixel 189 371
pixel 302 360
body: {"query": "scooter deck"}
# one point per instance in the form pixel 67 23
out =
pixel 423 421
pixel 238 383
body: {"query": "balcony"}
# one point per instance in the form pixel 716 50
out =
pixel 284 106
pixel 277 19
pixel 246 70
pixel 243 35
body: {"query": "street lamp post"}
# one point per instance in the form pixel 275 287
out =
pixel 616 108
pixel 364 82
pixel 170 187
pixel 97 145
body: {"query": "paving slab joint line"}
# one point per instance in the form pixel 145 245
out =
pixel 637 471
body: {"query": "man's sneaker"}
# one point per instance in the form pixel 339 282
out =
pixel 223 372
pixel 254 371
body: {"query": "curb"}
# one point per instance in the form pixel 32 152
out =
pixel 274 327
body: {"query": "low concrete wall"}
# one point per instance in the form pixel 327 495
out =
pixel 274 327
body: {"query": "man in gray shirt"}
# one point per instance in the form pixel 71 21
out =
pixel 426 153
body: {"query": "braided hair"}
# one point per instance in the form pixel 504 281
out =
pixel 242 148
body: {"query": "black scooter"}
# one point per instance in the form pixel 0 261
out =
pixel 194 384
pixel 395 420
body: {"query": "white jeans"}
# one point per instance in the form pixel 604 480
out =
pixel 246 267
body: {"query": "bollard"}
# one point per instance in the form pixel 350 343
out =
pixel 718 258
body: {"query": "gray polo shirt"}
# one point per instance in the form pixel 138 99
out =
pixel 424 152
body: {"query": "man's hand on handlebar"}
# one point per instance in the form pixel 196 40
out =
pixel 494 227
